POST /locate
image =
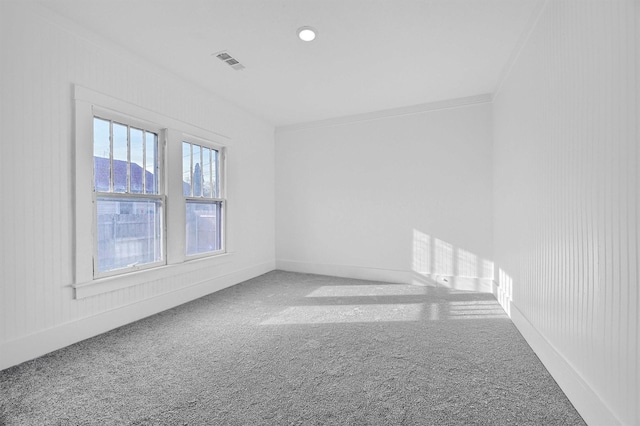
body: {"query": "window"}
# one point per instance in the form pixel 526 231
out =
pixel 203 189
pixel 138 217
pixel 128 202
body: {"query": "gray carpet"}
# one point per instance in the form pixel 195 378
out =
pixel 287 348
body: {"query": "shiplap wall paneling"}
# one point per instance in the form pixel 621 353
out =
pixel 44 56
pixel 566 198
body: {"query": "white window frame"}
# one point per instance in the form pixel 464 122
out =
pixel 119 118
pixel 222 155
pixel 171 133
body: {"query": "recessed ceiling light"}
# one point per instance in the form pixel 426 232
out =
pixel 306 33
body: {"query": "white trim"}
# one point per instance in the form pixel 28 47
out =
pixel 109 114
pixel 586 401
pixel 211 143
pixel 637 135
pixel 457 282
pixel 476 284
pixel 395 112
pixel 175 214
pixel 345 271
pixel 126 109
pixel 83 211
pixel 34 345
pixel 130 279
pixel 88 103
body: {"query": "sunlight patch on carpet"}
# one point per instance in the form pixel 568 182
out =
pixel 367 290
pixel 475 309
pixel 347 314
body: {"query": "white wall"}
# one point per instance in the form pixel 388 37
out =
pixel 390 198
pixel 42 58
pixel 566 202
pixel 395 198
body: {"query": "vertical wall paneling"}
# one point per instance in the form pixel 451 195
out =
pixel 48 56
pixel 6 191
pixel 566 200
pixel 635 243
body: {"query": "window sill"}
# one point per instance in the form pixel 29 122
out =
pixel 131 279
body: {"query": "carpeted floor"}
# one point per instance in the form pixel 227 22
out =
pixel 287 348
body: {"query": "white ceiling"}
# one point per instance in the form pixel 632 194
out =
pixel 369 55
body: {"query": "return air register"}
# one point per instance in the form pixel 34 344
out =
pixel 229 60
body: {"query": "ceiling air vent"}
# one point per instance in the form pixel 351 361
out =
pixel 229 60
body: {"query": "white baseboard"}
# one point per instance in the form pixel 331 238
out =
pixel 480 285
pixel 34 345
pixel 345 271
pixel 387 275
pixel 590 406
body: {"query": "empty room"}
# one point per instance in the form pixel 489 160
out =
pixel 310 212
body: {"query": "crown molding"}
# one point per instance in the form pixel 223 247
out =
pixel 387 113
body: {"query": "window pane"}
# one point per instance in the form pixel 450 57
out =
pixel 137 160
pixel 120 164
pixel 101 154
pixel 197 171
pixel 151 173
pixel 129 233
pixel 206 172
pixel 186 169
pixel 215 167
pixel 204 227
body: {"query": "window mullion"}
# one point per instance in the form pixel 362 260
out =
pixel 201 183
pixel 220 173
pixel 128 190
pixel 204 200
pixel 211 188
pixel 144 161
pixel 124 195
pixel 191 169
pixel 218 187
pixel 111 172
pixel 158 152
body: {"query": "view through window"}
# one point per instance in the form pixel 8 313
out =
pixel 128 203
pixel 202 189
